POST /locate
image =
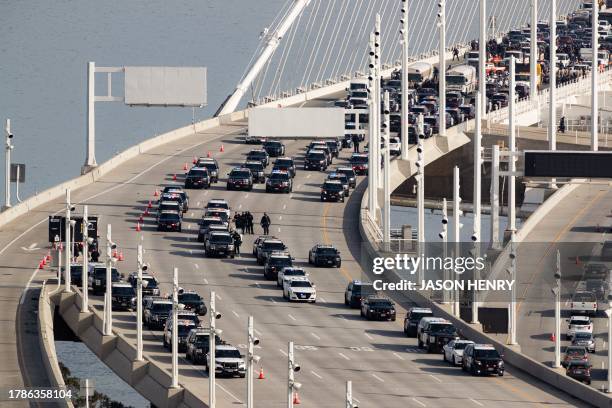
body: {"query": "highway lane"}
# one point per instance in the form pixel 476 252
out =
pixel 333 343
pixel 576 227
pixel 385 367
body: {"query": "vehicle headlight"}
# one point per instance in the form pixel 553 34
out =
pixel 218 365
pixel 321 161
pixel 97 281
pixel 500 364
pixel 133 300
pixel 230 246
pixel 478 362
pixel 241 365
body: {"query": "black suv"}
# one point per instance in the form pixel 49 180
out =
pixel 169 221
pixel 122 296
pixel 156 313
pixel 350 174
pixel 266 247
pixel 279 181
pixel 377 308
pixel 205 224
pixel 332 190
pixel 164 199
pixel 285 164
pixel 152 285
pixel 275 262
pixel 212 166
pixel 257 170
pixel 197 177
pixel 324 255
pixel 98 279
pixel 579 370
pixel 219 243
pixel 359 163
pixel 173 191
pixel 356 291
pixel 259 155
pixel 240 179
pixel 482 359
pixel 412 319
pixel 193 302
pixel 333 146
pixel 342 178
pixel 315 159
pixel 198 342
pixel 435 334
pixel 274 148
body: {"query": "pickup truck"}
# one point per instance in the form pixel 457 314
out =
pixel 584 302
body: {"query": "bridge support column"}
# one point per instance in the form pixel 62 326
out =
pixel 495 241
pixel 595 78
pixel 457 232
pixel 90 159
pixel 405 85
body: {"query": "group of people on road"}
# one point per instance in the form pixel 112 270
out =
pixel 243 223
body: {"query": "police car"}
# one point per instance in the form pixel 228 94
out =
pixel 299 289
pixel 279 181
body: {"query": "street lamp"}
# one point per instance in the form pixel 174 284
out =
pixel 7 176
pixel 292 385
pixel 85 265
pixel 252 341
pixel 404 43
pixel 108 301
pixel 512 272
pixel 372 134
pixel 140 284
pixel 420 179
pixel 444 236
pixel 349 395
pixel 68 250
pixel 386 175
pixel 442 66
pixel 214 315
pixel 175 308
pixel 557 292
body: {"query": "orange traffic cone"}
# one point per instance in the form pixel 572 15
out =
pixel 552 337
pixel 146 211
pixel 48 256
pixel 185 166
pixel 150 205
pixel 41 265
pixel 120 256
pixel 296 399
pixel 43 261
pixel 195 160
pixel 138 227
pixel 261 374
pixel 222 149
pixel 140 219
pixel 156 194
pixel 174 177
pixel 577 260
pixel 115 253
pixel 209 155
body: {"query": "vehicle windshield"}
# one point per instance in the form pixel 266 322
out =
pixel 279 176
pixel 578 322
pixel 273 144
pixel 240 174
pixel 327 251
pixel 254 166
pixel 284 162
pixel 209 166
pixel 359 159
pixel 456 79
pixel 340 176
pixel 363 289
pixel 221 238
pixel 257 154
pixel 460 345
pixel 486 353
pixel 197 172
pixel 123 291
pixel 419 315
pixel 100 273
pixel 359 94
pixel 280 260
pixel 170 217
pixel 332 186
pixel 574 351
pixel 220 214
pixel 217 204
pixel 161 307
pixel 189 297
pixel 301 284
pixel 183 329
pixel 273 246
pixel 316 156
pixel 227 353
pixel 584 297
pixel 380 303
pixel 294 272
pixel 442 328
pixel 582 336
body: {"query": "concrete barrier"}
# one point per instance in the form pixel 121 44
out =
pixel 511 357
pixel 47 344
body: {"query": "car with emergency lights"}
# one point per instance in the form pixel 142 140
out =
pixel 315 159
pixel 211 165
pixel 184 327
pixel 260 155
pixel 150 284
pixel 482 359
pixel 123 296
pixel 173 190
pixel 198 343
pixel 206 224
pixel 289 272
pixel 332 190
pixel 240 178
pixel 342 179
pixel 192 302
pixel 324 255
pixel 156 313
pixel 228 361
pixel 267 246
pixel 279 182
pixel 274 148
pixel 299 289
pixel 197 177
pixel 275 262
pixel 413 317
pixel 359 163
pixel 435 334
pixel 285 164
pixel 453 351
pixel 350 174
pixel 169 221
pixel 356 291
pixel 257 170
pixel 219 243
pixel 378 308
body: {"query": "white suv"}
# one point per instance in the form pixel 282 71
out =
pixel 288 273
pixel 300 289
pixel 579 324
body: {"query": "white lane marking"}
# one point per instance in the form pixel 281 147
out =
pixel 398 356
pixel 192 214
pixel 206 281
pixel 315 336
pixel 377 377
pixel 195 265
pixel 189 227
pixel 218 297
pixel 343 356
pixel 280 217
pixel 419 402
pixel 27 287
pixel 356 400
pixel 435 378
pixel 31 247
pixel 206 192
pixel 228 393
pixel 191 252
pixel 323 300
pixel 247 195
pixel 308 176
pixel 198 203
pixel 278 229
pixel 284 206
pixel 257 332
pixel 368 336
pixel 284 352
pixel 235 314
pixel 257 284
pixel 477 402
pixel 240 206
pixel 273 301
pixel 291 317
pixel 316 375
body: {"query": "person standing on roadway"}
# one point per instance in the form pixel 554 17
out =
pixel 355 139
pixel 237 242
pixel 265 223
pixel 249 222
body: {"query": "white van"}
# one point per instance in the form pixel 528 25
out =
pixel 563 60
pixel 461 78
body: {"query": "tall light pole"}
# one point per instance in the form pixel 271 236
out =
pixel 512 272
pixel 512 148
pixel 495 241
pixel 252 341
pixel 68 251
pixel 482 56
pixel 557 292
pixel 552 108
pixel 595 78
pixel 372 134
pixel 420 163
pixel 90 160
pixel 457 230
pixel 175 307
pixel 442 66
pixel 139 284
pixel 85 264
pixel 477 168
pixel 7 174
pixel 609 314
pixel 386 176
pixel 533 53
pixel 444 235
pixel 293 368
pixel 212 365
pixel 349 395
pixel 377 95
pixel 404 43
pixel 108 300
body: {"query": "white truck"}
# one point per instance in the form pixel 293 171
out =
pixel 603 56
pixel 584 302
pixel 461 78
pixel 419 72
